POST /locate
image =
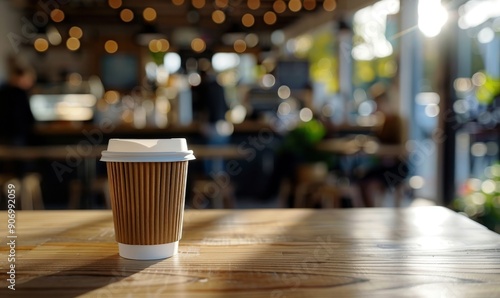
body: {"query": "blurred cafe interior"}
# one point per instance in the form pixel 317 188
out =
pixel 286 104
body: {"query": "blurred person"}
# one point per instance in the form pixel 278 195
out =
pixel 209 101
pixel 16 119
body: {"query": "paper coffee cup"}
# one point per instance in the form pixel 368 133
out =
pixel 147 182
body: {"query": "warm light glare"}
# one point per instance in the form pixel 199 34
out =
pixel 198 3
pixel 111 46
pixel 57 15
pixel 240 46
pixel 474 12
pixel 218 16
pixel 270 18
pixel 73 44
pixel 115 3
pixel 329 5
pixel 76 32
pixel 126 15
pixel 247 20
pixel 295 5
pixel 41 45
pixel 198 45
pixel 279 6
pixel 253 4
pixel 431 17
pixel 149 14
pixel 178 2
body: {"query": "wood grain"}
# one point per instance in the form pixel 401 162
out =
pixel 415 252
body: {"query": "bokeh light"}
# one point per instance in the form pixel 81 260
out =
pixel 73 44
pixel 126 15
pixel 111 46
pixel 41 45
pixel 149 14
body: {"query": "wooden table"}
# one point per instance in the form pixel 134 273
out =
pixel 415 252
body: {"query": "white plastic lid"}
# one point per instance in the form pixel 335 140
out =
pixel 148 252
pixel 147 150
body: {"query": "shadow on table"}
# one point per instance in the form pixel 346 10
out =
pixel 73 282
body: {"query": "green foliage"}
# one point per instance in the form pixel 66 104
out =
pixel 301 141
pixel 480 199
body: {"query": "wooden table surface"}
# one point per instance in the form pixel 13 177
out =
pixel 414 252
